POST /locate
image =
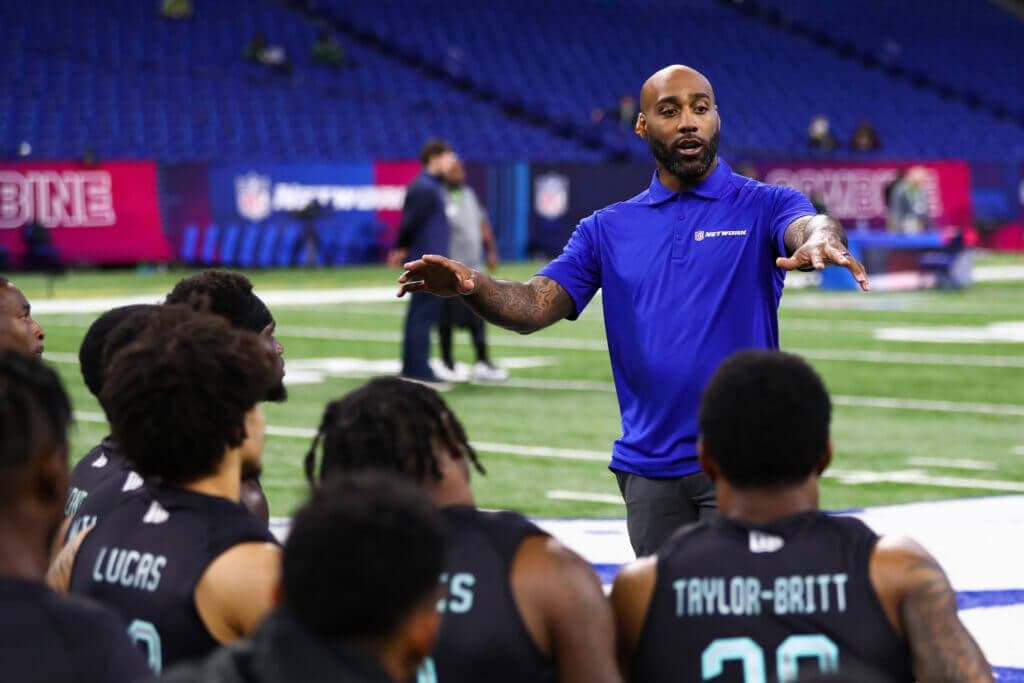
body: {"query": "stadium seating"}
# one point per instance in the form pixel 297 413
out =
pixel 112 75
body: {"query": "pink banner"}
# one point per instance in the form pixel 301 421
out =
pixel 96 214
pixel 854 192
pixel 393 173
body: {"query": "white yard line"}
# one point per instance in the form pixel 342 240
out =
pixel 920 478
pixel 909 358
pixel 886 403
pixel 1017 450
pixel 585 497
pixel 954 463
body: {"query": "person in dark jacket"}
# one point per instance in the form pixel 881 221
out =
pixel 359 591
pixel 424 230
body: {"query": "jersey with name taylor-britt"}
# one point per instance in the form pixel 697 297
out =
pixel 737 602
pixel 103 463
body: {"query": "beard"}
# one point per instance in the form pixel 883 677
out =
pixel 251 469
pixel 687 171
pixel 277 393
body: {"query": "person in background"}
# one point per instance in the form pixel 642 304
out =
pixel 45 637
pixel 368 614
pixel 865 138
pixel 424 229
pixel 908 209
pixel 819 134
pixel 327 52
pixel 471 239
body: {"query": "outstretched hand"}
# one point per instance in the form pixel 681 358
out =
pixel 437 275
pixel 824 250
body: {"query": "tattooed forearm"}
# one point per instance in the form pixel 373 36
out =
pixel 802 229
pixel 941 648
pixel 521 307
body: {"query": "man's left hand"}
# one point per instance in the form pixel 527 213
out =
pixel 822 250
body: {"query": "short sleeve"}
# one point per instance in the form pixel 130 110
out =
pixel 789 205
pixel 578 268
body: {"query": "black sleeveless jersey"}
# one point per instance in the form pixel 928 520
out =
pixel 101 464
pixel 145 557
pixel 483 637
pixel 736 602
pixel 50 638
pixel 104 496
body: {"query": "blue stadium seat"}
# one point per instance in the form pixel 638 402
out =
pixel 229 245
pixel 247 252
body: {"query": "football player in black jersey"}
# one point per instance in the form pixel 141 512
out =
pixel 359 592
pixel 45 637
pixel 20 329
pixel 775 586
pixel 185 563
pixel 520 606
pixel 105 460
pixel 230 296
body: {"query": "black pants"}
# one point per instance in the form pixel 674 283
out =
pixel 421 315
pixel 455 313
pixel 655 508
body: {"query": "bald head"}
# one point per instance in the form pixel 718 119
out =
pixel 671 81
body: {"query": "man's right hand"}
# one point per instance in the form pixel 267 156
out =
pixel 437 275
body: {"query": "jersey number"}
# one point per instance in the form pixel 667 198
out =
pixel 427 673
pixel 145 633
pixel 751 655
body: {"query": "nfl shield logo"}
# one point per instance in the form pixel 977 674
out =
pixel 252 196
pixel 699 235
pixel 551 195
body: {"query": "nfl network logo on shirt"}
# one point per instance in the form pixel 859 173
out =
pixel 702 235
pixel 765 543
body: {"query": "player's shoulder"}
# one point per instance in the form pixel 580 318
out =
pixel 80 614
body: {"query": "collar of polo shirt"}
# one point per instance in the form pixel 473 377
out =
pixel 713 187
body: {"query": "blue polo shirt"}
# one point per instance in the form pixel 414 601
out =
pixel 687 279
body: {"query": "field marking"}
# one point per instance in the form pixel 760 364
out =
pixel 352 334
pixel 584 497
pixel 910 358
pixel 917 477
pixel 953 463
pixel 1000 332
pixel 1017 450
pixel 925 405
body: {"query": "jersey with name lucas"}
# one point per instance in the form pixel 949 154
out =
pixel 145 557
pixel 739 602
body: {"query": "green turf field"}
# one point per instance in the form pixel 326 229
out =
pixel 915 420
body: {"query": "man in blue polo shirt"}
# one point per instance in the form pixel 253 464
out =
pixel 691 270
pixel 424 230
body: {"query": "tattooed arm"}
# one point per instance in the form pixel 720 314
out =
pixel 814 242
pixel 523 307
pixel 921 605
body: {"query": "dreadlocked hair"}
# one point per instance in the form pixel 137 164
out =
pixel 388 423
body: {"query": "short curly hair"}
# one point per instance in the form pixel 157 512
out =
pixel 394 546
pixel 177 396
pixel 95 343
pixel 226 294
